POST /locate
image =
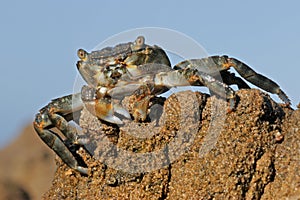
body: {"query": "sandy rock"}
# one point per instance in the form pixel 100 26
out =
pixel 195 149
pixel 286 183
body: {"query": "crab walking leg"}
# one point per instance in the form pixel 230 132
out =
pixel 187 76
pixel 257 79
pixel 230 79
pixel 54 115
pixel 215 66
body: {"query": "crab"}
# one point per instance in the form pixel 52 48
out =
pixel 141 71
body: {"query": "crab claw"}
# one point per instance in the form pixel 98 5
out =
pixel 111 118
pixel 103 108
pixel 122 111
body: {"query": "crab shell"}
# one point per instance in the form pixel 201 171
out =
pixel 124 62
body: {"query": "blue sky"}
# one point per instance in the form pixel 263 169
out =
pixel 39 40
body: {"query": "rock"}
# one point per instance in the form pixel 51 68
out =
pixel 10 190
pixel 27 167
pixel 194 150
pixel 286 183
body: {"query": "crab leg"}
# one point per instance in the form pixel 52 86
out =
pixel 257 79
pixel 213 66
pixel 230 79
pixel 57 114
pixel 187 76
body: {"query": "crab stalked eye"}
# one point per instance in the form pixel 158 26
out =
pixel 139 43
pixel 82 54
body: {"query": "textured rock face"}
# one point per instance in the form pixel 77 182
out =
pixel 287 162
pixel 191 149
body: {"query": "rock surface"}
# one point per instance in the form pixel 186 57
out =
pixel 190 149
pixel 27 167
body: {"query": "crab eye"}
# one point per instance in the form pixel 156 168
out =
pixel 81 54
pixel 138 43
